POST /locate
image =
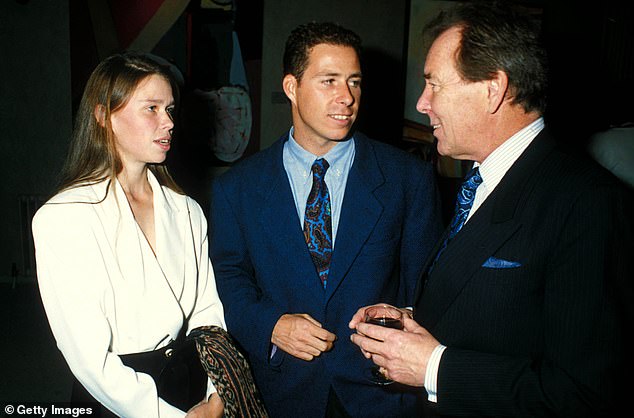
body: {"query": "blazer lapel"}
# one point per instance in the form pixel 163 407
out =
pixel 174 246
pixel 462 258
pixel 492 225
pixel 422 282
pixel 123 232
pixel 359 214
pixel 279 221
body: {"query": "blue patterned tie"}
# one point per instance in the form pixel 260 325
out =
pixel 317 221
pixel 464 202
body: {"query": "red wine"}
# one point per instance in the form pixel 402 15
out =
pixel 386 322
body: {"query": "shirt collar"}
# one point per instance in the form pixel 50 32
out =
pixel 335 157
pixel 495 166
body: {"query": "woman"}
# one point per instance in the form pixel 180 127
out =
pixel 121 252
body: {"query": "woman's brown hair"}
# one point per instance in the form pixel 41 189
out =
pixel 93 155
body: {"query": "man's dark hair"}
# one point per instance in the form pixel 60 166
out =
pixel 497 36
pixel 303 38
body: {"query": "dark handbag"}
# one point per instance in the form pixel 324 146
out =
pixel 176 369
pixel 180 378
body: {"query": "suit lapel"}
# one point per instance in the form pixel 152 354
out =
pixel 462 258
pixel 360 212
pixel 422 282
pixel 489 228
pixel 279 221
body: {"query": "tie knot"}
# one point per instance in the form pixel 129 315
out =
pixel 319 167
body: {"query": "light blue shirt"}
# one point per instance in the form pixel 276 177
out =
pixel 298 162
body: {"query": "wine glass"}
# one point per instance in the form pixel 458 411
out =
pixel 385 316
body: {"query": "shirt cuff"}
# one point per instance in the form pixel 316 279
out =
pixel 211 389
pixel 273 351
pixel 431 374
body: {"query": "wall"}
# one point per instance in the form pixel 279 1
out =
pixel 35 110
pixel 421 11
pixel 591 51
pixel 381 25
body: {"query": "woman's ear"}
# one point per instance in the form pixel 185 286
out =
pixel 100 115
pixel 289 84
pixel 498 87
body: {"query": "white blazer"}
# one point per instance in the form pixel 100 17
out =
pixel 105 292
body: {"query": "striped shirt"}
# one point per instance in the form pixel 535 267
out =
pixel 495 166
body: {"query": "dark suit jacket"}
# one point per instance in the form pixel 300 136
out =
pixel 541 332
pixel 389 223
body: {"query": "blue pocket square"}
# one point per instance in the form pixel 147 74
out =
pixel 498 263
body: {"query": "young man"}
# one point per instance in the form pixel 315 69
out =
pixel 525 305
pixel 306 231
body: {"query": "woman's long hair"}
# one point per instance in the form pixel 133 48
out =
pixel 93 155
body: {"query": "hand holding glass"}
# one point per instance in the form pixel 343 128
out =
pixel 385 316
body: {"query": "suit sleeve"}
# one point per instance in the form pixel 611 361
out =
pixel 421 229
pixel 586 313
pixel 250 315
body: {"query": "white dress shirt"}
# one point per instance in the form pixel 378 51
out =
pixel 492 170
pixel 106 293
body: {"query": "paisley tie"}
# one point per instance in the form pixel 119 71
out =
pixel 317 221
pixel 464 201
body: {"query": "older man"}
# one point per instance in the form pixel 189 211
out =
pixel 524 307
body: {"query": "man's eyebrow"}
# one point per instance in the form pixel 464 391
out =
pixel 336 74
pixel 328 74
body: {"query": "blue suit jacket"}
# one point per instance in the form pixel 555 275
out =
pixel 389 222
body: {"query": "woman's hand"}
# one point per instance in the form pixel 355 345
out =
pixel 212 408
